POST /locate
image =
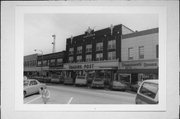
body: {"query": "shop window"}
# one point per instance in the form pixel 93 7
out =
pixel 79 58
pixel 157 51
pixel 89 48
pixel 99 57
pixel 88 58
pixel 99 46
pixel 112 55
pixel 130 53
pixel 71 51
pixel 70 59
pixel 112 44
pixel 141 52
pixel 79 50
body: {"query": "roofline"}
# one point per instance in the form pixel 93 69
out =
pixel 141 33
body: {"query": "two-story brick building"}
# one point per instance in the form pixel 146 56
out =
pixel 139 55
pixel 96 50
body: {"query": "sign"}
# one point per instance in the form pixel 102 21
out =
pixel 139 65
pixel 91 65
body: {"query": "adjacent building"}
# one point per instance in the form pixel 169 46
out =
pixel 139 55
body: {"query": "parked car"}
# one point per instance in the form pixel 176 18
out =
pixel 118 85
pixel 32 86
pixel 68 81
pixel 148 92
pixel 81 80
pixel 97 83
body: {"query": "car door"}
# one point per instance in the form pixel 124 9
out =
pixel 30 89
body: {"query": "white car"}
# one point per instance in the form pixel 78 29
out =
pixel 32 86
pixel 148 92
pixel 81 80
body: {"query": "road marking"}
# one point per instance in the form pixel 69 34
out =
pixel 70 100
pixel 33 99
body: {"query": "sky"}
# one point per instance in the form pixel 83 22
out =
pixel 39 28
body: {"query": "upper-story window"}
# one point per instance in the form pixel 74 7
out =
pixel 99 46
pixel 157 51
pixel 45 63
pixel 112 55
pixel 59 61
pixel 99 56
pixel 89 48
pixel 71 59
pixel 39 63
pixel 88 58
pixel 112 44
pixel 130 53
pixel 71 51
pixel 79 58
pixel 52 62
pixel 141 52
pixel 79 50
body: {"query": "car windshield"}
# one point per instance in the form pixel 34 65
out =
pixel 97 79
pixel 81 77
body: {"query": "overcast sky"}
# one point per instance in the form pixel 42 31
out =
pixel 39 28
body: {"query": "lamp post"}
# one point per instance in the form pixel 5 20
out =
pixel 36 50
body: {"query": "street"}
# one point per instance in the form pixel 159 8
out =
pixel 68 94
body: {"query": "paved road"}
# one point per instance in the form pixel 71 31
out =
pixel 62 94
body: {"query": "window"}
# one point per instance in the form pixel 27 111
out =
pixel 88 58
pixel 99 46
pixel 79 50
pixel 99 56
pixel 70 59
pixel 39 63
pixel 52 62
pixel 112 44
pixel 71 51
pixel 112 55
pixel 59 61
pixel 89 48
pixel 45 63
pixel 141 52
pixel 130 53
pixel 79 58
pixel 157 51
pixel 149 89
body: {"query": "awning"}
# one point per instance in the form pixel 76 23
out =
pixel 155 71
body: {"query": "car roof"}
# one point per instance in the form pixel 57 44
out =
pixel 151 81
pixel 31 80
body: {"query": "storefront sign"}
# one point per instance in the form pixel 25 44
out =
pixel 91 66
pixel 139 65
pixel 82 66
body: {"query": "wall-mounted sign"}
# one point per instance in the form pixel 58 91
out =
pixel 93 65
pixel 139 65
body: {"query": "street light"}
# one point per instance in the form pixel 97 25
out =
pixel 36 50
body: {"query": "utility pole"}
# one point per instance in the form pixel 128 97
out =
pixel 54 43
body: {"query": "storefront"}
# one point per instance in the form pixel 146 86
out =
pixel 104 69
pixel 139 70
